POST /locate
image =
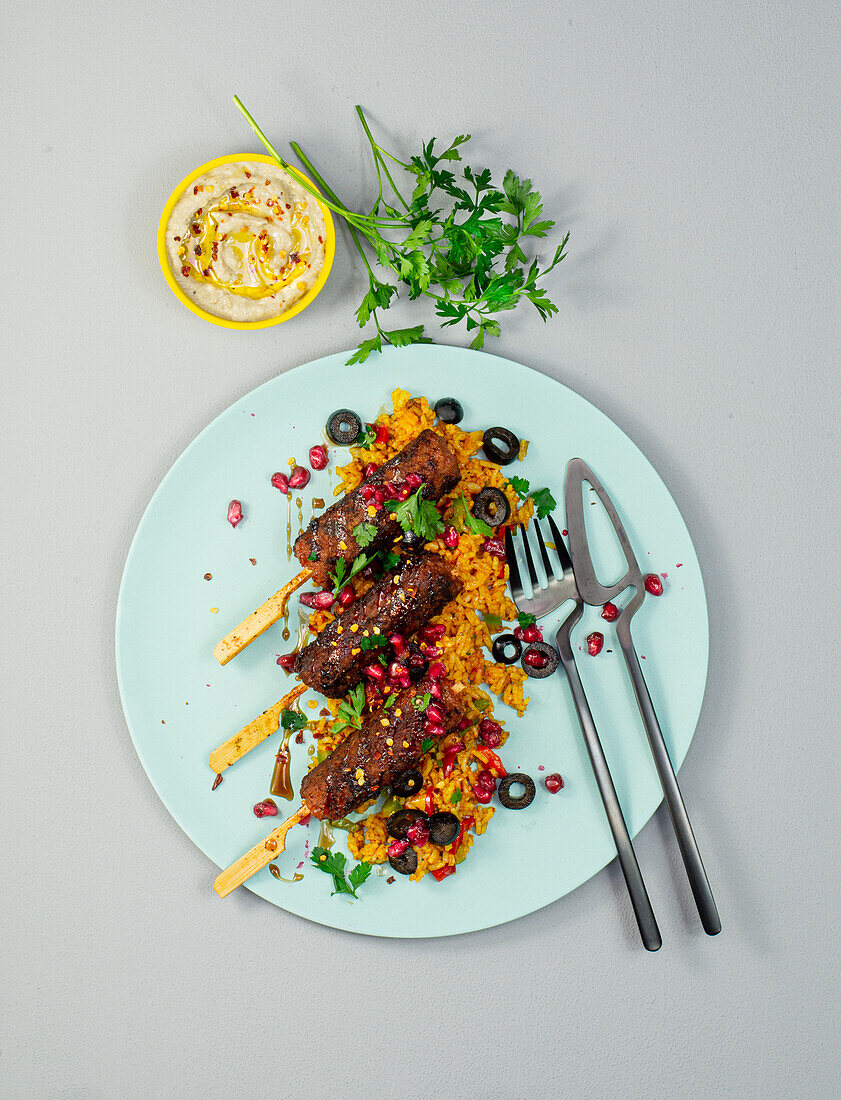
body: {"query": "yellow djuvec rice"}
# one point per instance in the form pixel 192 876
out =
pixel 466 644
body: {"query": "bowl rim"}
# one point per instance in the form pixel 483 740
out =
pixel 224 322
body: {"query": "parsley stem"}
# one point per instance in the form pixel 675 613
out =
pixel 379 158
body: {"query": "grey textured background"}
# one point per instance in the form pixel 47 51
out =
pixel 694 152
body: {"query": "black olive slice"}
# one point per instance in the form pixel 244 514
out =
pixel 443 828
pixel 344 427
pixel 502 644
pixel 491 506
pixel 406 863
pixel 510 801
pixel 552 660
pixel 502 454
pixel 401 821
pixel 448 410
pixel 407 783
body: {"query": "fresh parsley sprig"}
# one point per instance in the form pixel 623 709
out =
pixel 333 863
pixel 364 533
pixel 458 240
pixel 417 515
pixel 350 709
pixel 544 502
pixel 466 521
pixel 291 720
pixel 341 574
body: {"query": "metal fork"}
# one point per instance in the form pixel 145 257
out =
pixel 559 591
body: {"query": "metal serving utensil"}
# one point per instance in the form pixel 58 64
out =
pixel 597 594
pixel 559 591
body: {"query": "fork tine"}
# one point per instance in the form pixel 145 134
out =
pixel 513 568
pixel 547 565
pixel 529 561
pixel 560 546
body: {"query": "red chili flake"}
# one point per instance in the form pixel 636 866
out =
pixel 294 257
pixel 234 193
pixel 319 240
pixel 185 271
pixel 299 737
pixel 176 238
pixel 253 561
pixel 195 190
pixel 198 250
pixel 288 207
pixel 195 229
pixel 208 576
pixel 268 183
pixel 247 175
pixel 206 272
pixel 216 781
pixel 199 210
pixel 390 879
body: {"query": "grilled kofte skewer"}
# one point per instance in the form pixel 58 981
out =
pixel 402 602
pixel 426 461
pixel 367 760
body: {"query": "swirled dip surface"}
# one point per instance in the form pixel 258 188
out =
pixel 245 241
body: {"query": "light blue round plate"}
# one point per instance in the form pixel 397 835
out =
pixel 180 704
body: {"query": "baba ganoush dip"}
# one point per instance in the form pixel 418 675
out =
pixel 245 241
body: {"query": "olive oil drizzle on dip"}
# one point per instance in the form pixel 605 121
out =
pixel 245 241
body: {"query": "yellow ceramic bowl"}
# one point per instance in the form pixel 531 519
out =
pixel 302 303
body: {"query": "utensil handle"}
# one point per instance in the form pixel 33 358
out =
pixel 646 920
pixel 674 799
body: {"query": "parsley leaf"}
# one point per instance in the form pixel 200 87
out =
pixel 312 556
pixel 465 519
pixel 455 797
pixel 544 502
pixel 350 709
pixel 366 437
pixel 417 515
pixel 389 703
pixel 333 863
pixel 364 533
pixel 520 486
pixel 291 720
pixel 454 236
pixel 427 744
pixel 421 702
pixel 389 561
pixel 526 620
pixel 373 641
pixel 341 575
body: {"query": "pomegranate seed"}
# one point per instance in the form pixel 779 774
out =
pixel 414 481
pixel 490 733
pixel 486 780
pixel 379 498
pixel 287 661
pixel 436 671
pixel 418 834
pixel 435 691
pixel 375 671
pixel 595 641
pixel 519 633
pixel 280 481
pixel 307 599
pixel 347 596
pixel 432 729
pixel 532 634
pixel 367 492
pixel 402 492
pixel 433 633
pixel 318 456
pixel 535 659
pixel 373 696
pixel 494 547
pixel 370 470
pixel 234 513
pixel 553 783
pixel 653 584
pixel 397 848
pixel 610 612
pixel 435 714
pixel 265 809
pixel 299 478
pixel 431 651
pixel 463 723
pixel 323 600
pixel 396 671
pixel 492 740
pixel 398 643
pixel 483 794
pixel 450 537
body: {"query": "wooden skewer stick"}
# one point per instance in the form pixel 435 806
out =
pixel 254 733
pixel 258 621
pixel 259 856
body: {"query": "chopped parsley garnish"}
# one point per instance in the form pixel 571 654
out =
pixel 373 641
pixel 312 556
pixel 350 709
pixel 421 702
pixel 544 502
pixel 466 521
pixel 455 797
pixel 364 533
pixel 427 744
pixel 526 620
pixel 341 574
pixel 333 863
pixel 389 703
pixel 291 720
pixel 520 486
pixel 417 515
pixel 367 436
pixel 389 561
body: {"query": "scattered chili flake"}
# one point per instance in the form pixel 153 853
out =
pixel 253 561
pixel 208 576
pixel 178 238
pixel 390 879
pixel 216 781
pixel 299 737
pixel 185 271
pixel 247 174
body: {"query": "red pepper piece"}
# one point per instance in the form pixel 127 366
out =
pixel 429 805
pixel 492 761
pixel 441 872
